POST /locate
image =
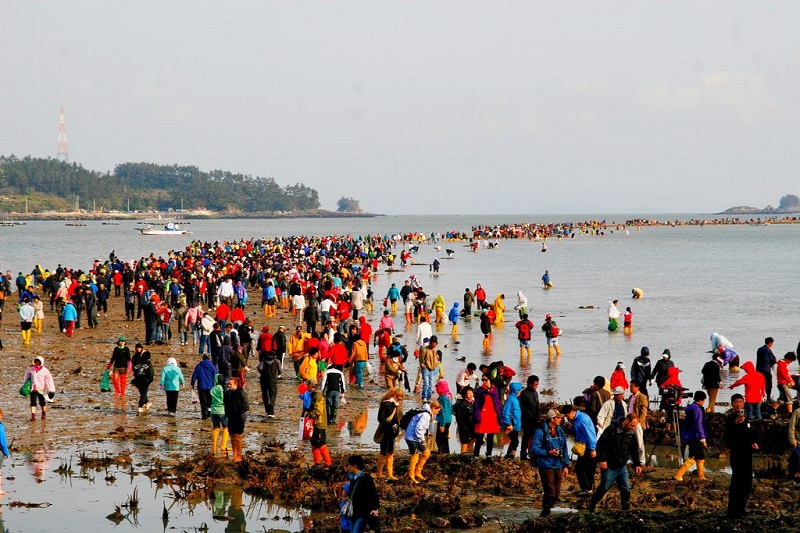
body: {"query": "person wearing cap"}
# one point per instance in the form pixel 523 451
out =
pixel 693 436
pixel 660 372
pixel 612 411
pixel 41 384
pixel 118 364
pixel 551 333
pixel 618 376
pixel 712 378
pixel 614 448
pixel 641 369
pixel 549 448
pixel 524 327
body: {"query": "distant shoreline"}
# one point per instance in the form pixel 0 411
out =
pixel 195 214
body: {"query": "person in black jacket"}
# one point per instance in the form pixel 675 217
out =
pixel 615 446
pixel 529 405
pixel 364 497
pixel 641 369
pixel 236 407
pixel 741 440
pixel 712 377
pixel 661 370
pixel 270 369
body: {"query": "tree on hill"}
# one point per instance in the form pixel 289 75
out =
pixel 789 202
pixel 348 205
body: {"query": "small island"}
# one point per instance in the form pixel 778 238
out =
pixel 789 204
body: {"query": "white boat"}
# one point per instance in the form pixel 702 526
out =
pixel 170 228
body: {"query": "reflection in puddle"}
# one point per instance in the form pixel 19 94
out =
pixel 115 497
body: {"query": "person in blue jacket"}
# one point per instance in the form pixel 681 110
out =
pixel 511 418
pixel 204 377
pixel 549 447
pixel 453 317
pixel 586 434
pixel 393 295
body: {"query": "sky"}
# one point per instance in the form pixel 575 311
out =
pixel 423 107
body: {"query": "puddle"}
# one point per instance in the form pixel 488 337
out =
pixel 58 496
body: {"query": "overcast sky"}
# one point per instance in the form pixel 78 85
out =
pixel 423 107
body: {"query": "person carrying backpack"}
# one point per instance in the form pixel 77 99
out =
pixel 551 332
pixel 142 375
pixel 416 435
pixel 524 327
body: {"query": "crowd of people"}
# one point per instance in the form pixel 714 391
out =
pixel 201 295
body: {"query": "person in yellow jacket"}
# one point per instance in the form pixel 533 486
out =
pixel 297 348
pixel 309 366
pixel 319 412
pixel 499 306
pixel 359 354
pixel 438 306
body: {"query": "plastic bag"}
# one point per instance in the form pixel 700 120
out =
pixel 306 428
pixel 105 382
pixel 25 390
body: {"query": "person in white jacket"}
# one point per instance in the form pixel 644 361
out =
pixel 41 385
pixel 416 436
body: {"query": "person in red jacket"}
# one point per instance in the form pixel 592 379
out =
pixel 754 390
pixel 786 380
pixel 618 377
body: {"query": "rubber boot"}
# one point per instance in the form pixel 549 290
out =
pixel 412 467
pixel 317 453
pixel 421 464
pixel 214 439
pixel 558 350
pixel 547 504
pixel 326 455
pixel 549 351
pixel 701 469
pixel 625 499
pixel 381 465
pixel 521 353
pixel 237 448
pixel 390 468
pixel 224 447
pixel 44 412
pixel 683 469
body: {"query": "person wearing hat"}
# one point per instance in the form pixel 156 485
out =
pixel 712 378
pixel 551 333
pixel 641 369
pixel 549 448
pixel 41 384
pixel 618 376
pixel 612 411
pixel 118 364
pixel 660 372
pixel 524 327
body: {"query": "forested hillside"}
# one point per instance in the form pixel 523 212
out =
pixel 55 184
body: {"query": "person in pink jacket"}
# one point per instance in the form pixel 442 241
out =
pixel 41 385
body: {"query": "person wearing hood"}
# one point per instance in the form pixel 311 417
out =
pixel 618 377
pixel 641 369
pixel 203 377
pixel 659 373
pixel 41 384
pixel 499 306
pixel 671 391
pixel 142 375
pixel 754 390
pixel 511 419
pixel 522 304
pixel 438 306
pixel 453 317
pixel 487 415
pixel 171 382
pixel 444 418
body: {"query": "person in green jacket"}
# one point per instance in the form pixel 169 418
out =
pixel 171 381
pixel 218 418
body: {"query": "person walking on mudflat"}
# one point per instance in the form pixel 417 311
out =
pixel 41 384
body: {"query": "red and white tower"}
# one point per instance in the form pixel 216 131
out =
pixel 62 153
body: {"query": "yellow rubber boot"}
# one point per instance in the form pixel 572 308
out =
pixel 522 353
pixel 214 439
pixel 237 448
pixel 390 468
pixel 381 466
pixel 683 469
pixel 558 350
pixel 421 464
pixel 549 351
pixel 224 446
pixel 412 467
pixel 701 469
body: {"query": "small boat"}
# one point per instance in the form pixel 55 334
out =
pixel 170 228
pixel 76 223
pixel 11 223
